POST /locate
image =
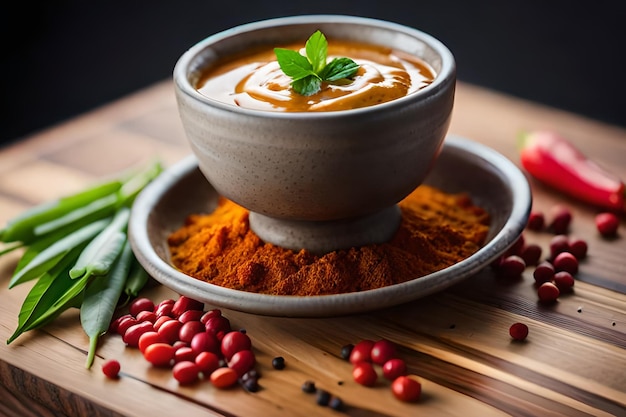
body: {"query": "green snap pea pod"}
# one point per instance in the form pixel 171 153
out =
pixel 51 255
pixel 99 255
pixel 96 210
pixel 42 296
pixel 100 300
pixel 21 228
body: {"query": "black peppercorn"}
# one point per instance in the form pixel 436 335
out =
pixel 278 362
pixel 346 351
pixel 308 387
pixel 323 397
pixel 336 403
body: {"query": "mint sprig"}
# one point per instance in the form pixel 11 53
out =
pixel 308 72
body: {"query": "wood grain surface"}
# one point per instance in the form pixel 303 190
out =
pixel 572 364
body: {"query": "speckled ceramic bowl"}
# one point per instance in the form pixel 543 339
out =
pixel 326 180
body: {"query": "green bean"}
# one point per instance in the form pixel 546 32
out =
pixel 131 188
pixel 99 255
pixel 21 228
pixel 137 280
pixel 96 210
pixel 100 300
pixel 51 255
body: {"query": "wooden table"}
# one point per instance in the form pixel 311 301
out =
pixel 572 364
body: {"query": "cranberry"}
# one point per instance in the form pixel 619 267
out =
pixel 607 224
pixel 394 368
pixel 544 272
pixel 406 388
pixel 511 267
pixel 362 351
pixel 139 305
pixel 186 372
pixel 365 374
pixel 536 221
pixel 561 219
pixel 518 331
pixel 382 351
pixel 234 342
pixel 565 261
pixel 531 253
pixel 517 246
pixel 578 248
pixel 111 368
pixel 548 292
pixel 185 303
pixel 558 244
pixel 242 361
pixel 564 281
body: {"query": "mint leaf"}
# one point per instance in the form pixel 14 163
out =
pixel 307 86
pixel 309 71
pixel 339 68
pixel 293 64
pixel 316 51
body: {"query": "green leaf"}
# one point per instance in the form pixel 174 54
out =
pixel 293 64
pixel 307 86
pixel 99 255
pixel 339 68
pixel 316 48
pixel 43 295
pixel 51 255
pixel 309 72
pixel 100 300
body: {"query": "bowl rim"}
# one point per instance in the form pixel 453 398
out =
pixel 334 304
pixel 444 78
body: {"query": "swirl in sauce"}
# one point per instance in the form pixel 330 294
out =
pixel 255 81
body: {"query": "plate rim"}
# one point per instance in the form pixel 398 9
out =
pixel 331 304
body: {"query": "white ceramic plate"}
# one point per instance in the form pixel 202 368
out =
pixel 493 182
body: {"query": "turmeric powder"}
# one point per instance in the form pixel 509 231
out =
pixel 437 230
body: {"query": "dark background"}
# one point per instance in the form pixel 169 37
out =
pixel 62 58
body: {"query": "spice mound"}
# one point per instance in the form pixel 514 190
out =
pixel 437 230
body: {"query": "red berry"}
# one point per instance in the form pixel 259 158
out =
pixel 382 351
pixel 139 305
pixel 531 253
pixel 185 303
pixel 160 354
pixel 406 388
pixel 536 221
pixel 111 368
pixel 518 331
pixel 558 244
pixel 205 342
pixel 362 351
pixel 394 368
pixel 186 372
pixel 223 377
pixel 565 261
pixel 607 224
pixel 365 374
pixel 147 339
pixel 207 362
pixel 242 361
pixel 134 332
pixel 564 281
pixel 561 219
pixel 517 246
pixel 544 272
pixel 511 267
pixel 189 329
pixel 233 342
pixel 578 248
pixel 548 292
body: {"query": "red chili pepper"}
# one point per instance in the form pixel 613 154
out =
pixel 555 161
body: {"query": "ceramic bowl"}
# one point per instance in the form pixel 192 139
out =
pixel 318 180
